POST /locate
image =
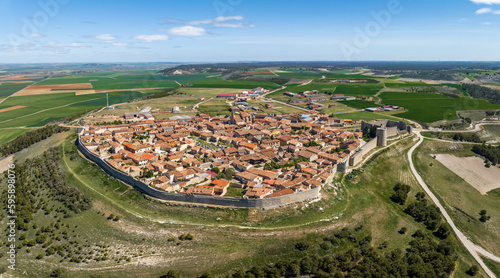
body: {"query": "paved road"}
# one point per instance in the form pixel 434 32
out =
pixel 473 249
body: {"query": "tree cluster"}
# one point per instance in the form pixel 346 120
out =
pixel 47 169
pixel 425 257
pixel 477 91
pixel 421 211
pixel 29 138
pixel 492 153
pixel 401 193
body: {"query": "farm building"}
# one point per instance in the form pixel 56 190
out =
pixel 269 106
pixel 290 94
pixel 258 90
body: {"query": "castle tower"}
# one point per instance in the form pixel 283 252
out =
pixel 381 137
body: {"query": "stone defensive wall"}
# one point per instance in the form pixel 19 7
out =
pixel 266 203
pixel 357 157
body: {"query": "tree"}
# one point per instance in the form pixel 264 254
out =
pixel 402 230
pixel 420 196
pixel 302 246
pixel 56 272
pixel 473 270
pixel 483 216
pixel 443 231
pixel 401 193
pixel 171 274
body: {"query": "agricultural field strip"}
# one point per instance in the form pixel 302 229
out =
pixel 469 245
pixel 48 109
pixel 36 82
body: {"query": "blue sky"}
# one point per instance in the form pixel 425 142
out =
pixel 248 30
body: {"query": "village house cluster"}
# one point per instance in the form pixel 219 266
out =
pixel 264 156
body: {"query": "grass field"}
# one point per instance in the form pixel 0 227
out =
pixel 219 246
pixel 7 135
pixel 125 80
pixel 215 107
pixel 188 98
pixel 461 200
pixel 280 108
pixel 358 90
pixel 433 107
pixel 237 84
pixel 42 109
pixel 360 104
pixel 364 115
pixel 7 89
pixel 493 266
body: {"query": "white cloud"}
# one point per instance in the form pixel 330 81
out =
pixel 119 44
pixel 105 37
pixel 488 11
pixel 232 25
pixel 189 31
pixel 200 22
pixel 226 18
pixel 220 21
pixel 151 38
pixel 36 35
pixel 484 11
pixel 487 2
pixel 78 45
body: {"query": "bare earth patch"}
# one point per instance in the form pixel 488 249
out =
pixel 4 163
pixel 18 77
pixel 11 108
pixel 83 88
pixel 473 171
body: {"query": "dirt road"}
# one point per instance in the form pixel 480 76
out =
pixel 473 249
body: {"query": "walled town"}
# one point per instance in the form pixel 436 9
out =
pixel 265 156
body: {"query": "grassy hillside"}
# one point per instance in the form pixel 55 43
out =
pixel 224 239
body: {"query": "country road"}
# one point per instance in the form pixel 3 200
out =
pixel 473 249
pixel 477 127
pixel 200 103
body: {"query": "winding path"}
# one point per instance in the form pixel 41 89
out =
pixel 473 249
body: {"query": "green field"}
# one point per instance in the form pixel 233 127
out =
pixel 429 108
pixel 360 103
pixel 215 107
pixel 7 135
pixel 237 84
pixel 7 89
pixel 41 109
pixel 364 115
